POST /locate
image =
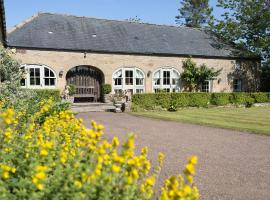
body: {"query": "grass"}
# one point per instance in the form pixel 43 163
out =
pixel 254 120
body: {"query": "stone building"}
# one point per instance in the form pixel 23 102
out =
pixel 2 24
pixel 57 50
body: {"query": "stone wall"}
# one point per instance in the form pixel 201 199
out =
pixel 108 63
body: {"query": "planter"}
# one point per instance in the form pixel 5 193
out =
pixel 107 98
pixel 120 106
pixel 71 99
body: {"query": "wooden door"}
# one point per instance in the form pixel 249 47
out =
pixel 87 81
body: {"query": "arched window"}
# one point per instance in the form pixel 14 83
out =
pixel 38 76
pixel 166 79
pixel 129 79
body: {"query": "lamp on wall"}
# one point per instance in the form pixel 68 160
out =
pixel 61 73
pixel 149 73
pixel 219 80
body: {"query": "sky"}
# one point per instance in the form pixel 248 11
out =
pixel 150 11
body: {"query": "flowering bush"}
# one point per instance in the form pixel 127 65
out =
pixel 61 159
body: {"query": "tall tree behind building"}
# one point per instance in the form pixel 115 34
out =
pixel 194 13
pixel 247 24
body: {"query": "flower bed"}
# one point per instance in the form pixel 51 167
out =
pixel 58 158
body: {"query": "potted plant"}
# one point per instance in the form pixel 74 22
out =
pixel 106 90
pixel 70 90
pixel 119 100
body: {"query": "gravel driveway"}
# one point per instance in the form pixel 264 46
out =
pixel 232 165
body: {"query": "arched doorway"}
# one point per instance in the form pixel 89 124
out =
pixel 87 81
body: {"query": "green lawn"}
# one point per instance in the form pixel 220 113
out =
pixel 255 119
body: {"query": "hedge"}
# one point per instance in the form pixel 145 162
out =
pixel 178 100
pixel 47 93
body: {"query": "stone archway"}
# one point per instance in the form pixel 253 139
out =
pixel 88 81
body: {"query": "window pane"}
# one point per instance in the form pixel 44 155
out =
pixel 32 72
pixel 118 81
pixel 47 74
pixel 37 71
pixel 47 81
pixel 32 81
pixel 37 81
pixel 51 73
pixel 52 81
pixel 157 81
pixel 166 77
pixel 139 81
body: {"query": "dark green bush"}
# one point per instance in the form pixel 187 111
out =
pixel 260 97
pixel 106 88
pixel 173 101
pixel 163 99
pixel 199 99
pixel 220 99
pixel 240 98
pixel 180 100
pixel 145 101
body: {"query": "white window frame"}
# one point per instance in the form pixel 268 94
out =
pixel 133 87
pixel 239 85
pixel 170 87
pixel 210 86
pixel 42 85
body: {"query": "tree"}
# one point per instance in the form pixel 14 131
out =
pixel 11 93
pixel 194 13
pixel 135 19
pixel 194 76
pixel 247 24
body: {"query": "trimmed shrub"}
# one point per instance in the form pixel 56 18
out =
pixel 220 99
pixel 239 98
pixel 199 99
pixel 260 97
pixel 180 100
pixel 173 101
pixel 106 88
pixel 145 101
pixel 163 100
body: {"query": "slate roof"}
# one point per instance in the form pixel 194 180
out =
pixel 65 32
pixel 3 20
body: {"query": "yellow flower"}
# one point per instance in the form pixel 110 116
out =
pixel 6 175
pixel 193 160
pixel 41 168
pixel 44 152
pixel 187 190
pixel 190 169
pixel 116 168
pixel 40 186
pixel 78 184
pixel 40 175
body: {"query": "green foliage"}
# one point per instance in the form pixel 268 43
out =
pixel 221 99
pixel 162 99
pixel 106 88
pixel 180 100
pixel 135 19
pixel 260 97
pixel 173 101
pixel 193 76
pixel 246 23
pixel 71 89
pixel 199 99
pixel 46 94
pixel 194 13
